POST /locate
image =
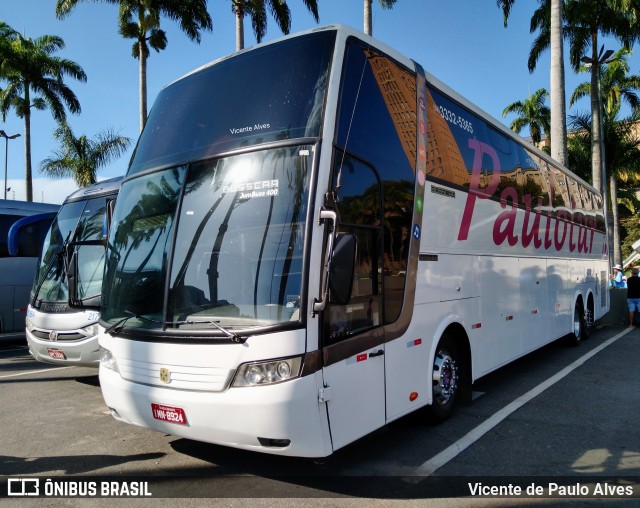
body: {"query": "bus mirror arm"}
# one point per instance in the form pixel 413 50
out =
pixel 330 217
pixel 338 266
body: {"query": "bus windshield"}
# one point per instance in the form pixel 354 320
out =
pixel 271 94
pixel 77 221
pixel 236 225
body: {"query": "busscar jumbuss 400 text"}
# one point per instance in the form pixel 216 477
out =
pixel 315 237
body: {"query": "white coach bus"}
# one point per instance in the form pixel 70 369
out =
pixel 57 330
pixel 23 227
pixel 315 238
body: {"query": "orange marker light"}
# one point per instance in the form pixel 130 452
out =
pixel 413 396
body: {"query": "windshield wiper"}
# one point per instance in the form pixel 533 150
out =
pixel 56 257
pixel 233 336
pixel 117 326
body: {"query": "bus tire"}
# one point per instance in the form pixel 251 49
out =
pixel 588 323
pixel 445 381
pixel 578 333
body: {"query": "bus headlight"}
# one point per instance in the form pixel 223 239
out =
pixel 107 360
pixel 268 373
pixel 91 330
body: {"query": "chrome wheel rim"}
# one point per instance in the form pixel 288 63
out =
pixel 445 378
pixel 577 324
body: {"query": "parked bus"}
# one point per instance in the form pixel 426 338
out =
pixel 315 237
pixel 23 226
pixel 58 331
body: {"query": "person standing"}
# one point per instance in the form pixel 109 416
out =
pixel 633 294
pixel 617 279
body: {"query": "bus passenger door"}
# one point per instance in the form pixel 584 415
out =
pixel 352 334
pixel 354 349
pixel 354 385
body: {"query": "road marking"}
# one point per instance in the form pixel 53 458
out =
pixel 436 462
pixel 36 372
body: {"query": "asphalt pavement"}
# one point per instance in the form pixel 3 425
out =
pixel 561 415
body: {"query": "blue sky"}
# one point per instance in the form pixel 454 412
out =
pixel 462 42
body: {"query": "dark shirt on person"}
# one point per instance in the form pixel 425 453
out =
pixel 633 287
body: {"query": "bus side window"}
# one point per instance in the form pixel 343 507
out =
pixel 359 210
pixel 6 221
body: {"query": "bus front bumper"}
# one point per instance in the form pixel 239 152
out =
pixel 85 352
pixel 282 419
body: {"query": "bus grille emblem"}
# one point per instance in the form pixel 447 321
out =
pixel 53 335
pixel 165 375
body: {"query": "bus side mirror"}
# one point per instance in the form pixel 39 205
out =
pixel 111 204
pixel 342 268
pixel 72 277
pixel 85 267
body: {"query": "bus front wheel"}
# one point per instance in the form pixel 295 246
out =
pixel 445 381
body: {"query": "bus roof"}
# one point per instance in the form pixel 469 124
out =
pixel 109 186
pixel 345 32
pixel 25 208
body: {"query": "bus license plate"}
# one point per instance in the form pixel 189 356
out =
pixel 169 414
pixel 56 354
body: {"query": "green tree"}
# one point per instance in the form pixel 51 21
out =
pixel 584 22
pixel 616 88
pixel 616 85
pixel 140 20
pixel 558 122
pixel 631 227
pixel 34 79
pixel 622 153
pixel 533 113
pixel 81 157
pixel 257 11
pixel 629 7
pixel 368 24
pixel 6 33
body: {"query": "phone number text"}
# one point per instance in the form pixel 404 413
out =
pixel 454 119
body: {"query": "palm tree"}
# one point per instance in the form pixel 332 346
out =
pixel 6 32
pixel 622 152
pixel 558 128
pixel 257 11
pixel 533 113
pixel 140 20
pixel 34 79
pixel 616 85
pixel 558 132
pixel 81 157
pixel 628 6
pixel 584 22
pixel 368 25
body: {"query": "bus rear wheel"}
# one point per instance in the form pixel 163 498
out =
pixel 579 331
pixel 445 381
